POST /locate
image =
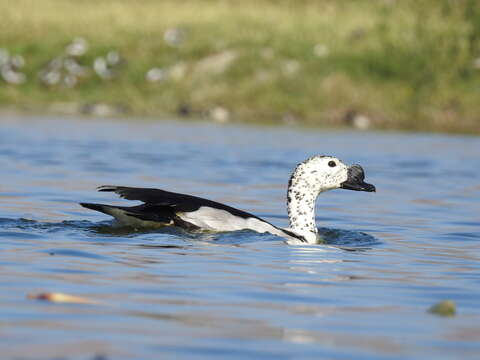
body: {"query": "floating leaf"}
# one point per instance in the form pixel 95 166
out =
pixel 61 298
pixel 444 308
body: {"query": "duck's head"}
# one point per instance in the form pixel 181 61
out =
pixel 321 173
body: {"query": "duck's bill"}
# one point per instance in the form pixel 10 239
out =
pixel 363 186
pixel 355 180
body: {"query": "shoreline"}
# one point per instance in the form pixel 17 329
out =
pixel 30 114
pixel 367 65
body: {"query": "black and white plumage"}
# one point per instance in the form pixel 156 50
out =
pixel 310 178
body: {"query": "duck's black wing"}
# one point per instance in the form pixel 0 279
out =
pixel 181 202
pixel 166 207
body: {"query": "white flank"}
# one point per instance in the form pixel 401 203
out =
pixel 220 220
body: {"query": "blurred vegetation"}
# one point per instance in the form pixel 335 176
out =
pixel 398 64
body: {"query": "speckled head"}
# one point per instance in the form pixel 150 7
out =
pixel 320 173
pixel 313 176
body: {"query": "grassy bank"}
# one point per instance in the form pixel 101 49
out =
pixel 398 64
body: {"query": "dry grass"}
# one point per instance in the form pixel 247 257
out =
pixel 401 64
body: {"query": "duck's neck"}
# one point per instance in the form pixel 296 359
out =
pixel 301 209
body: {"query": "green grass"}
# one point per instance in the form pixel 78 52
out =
pixel 404 64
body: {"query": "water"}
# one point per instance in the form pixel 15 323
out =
pixel 168 294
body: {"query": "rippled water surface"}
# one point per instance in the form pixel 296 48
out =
pixel 168 294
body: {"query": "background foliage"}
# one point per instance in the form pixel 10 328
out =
pixel 399 64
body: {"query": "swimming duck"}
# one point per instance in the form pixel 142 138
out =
pixel 310 178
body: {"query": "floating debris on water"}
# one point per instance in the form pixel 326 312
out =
pixel 61 298
pixel 444 308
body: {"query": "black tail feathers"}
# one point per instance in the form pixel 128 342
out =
pixel 97 207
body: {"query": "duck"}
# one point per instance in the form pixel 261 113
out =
pixel 309 179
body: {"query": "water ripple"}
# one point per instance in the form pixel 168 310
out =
pixel 386 259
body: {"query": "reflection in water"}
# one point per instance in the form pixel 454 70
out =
pixel 167 293
pixel 348 240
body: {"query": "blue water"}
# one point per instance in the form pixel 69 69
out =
pixel 168 294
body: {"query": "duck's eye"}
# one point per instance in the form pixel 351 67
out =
pixel 332 163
